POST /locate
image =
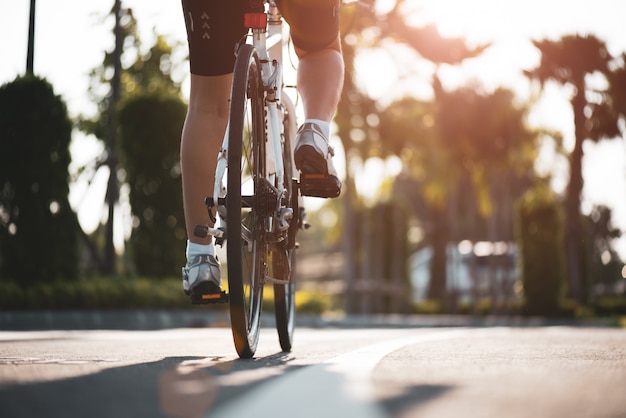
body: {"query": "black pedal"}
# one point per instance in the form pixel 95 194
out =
pixel 206 298
pixel 319 185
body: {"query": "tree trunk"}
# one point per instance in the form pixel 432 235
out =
pixel 348 242
pixel 573 232
pixel 366 248
pixel 112 194
pixel 438 264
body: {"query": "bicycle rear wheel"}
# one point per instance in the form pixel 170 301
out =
pixel 246 248
pixel 284 259
pixel 284 296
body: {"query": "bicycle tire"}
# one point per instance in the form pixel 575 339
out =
pixel 246 249
pixel 284 294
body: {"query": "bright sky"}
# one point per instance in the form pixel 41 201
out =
pixel 72 36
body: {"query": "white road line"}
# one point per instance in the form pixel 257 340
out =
pixel 339 387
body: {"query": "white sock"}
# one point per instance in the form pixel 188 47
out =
pixel 194 249
pixel 324 125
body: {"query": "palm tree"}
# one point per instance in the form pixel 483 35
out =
pixel 430 45
pixel 616 94
pixel 356 105
pixel 569 61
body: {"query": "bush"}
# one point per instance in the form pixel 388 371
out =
pixel 128 293
pixel 38 229
pixel 428 307
pixel 540 238
pixel 610 305
pixel 312 302
pixel 95 293
pixel 150 139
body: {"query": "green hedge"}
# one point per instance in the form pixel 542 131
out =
pixel 97 293
pixel 39 231
pixel 540 237
pixel 127 293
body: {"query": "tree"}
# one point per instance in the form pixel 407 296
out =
pixel 113 191
pixel 358 114
pixel 113 87
pixel 539 230
pixel 151 120
pixel 108 78
pixel 150 138
pixel 38 229
pixel 569 61
pixel 471 155
pixel 605 264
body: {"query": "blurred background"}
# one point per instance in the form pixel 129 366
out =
pixel 480 145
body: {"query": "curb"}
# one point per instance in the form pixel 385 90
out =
pixel 136 320
pixel 122 320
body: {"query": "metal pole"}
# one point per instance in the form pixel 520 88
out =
pixel 31 39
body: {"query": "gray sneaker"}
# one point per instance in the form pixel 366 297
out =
pixel 202 279
pixel 313 157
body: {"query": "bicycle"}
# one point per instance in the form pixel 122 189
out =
pixel 259 206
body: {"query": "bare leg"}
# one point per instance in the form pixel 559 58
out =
pixel 320 81
pixel 202 136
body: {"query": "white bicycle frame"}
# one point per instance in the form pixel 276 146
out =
pixel 263 40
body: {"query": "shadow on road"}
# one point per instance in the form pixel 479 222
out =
pixel 406 400
pixel 173 386
pixel 191 386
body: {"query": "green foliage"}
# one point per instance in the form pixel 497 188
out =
pixel 102 77
pixel 428 307
pixel 111 87
pixel 381 254
pixel 95 293
pixel 150 136
pixel 605 264
pixel 312 302
pixel 149 73
pixel 38 229
pixel 610 305
pixel 391 223
pixel 540 237
pixel 129 293
pixel 152 72
pixel 617 87
pixel 568 61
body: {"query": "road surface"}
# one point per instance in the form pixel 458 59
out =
pixel 416 372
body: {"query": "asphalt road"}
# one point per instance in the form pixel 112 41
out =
pixel 409 372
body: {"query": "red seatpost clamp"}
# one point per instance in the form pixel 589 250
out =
pixel 255 20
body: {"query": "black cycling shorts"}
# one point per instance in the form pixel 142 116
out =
pixel 215 27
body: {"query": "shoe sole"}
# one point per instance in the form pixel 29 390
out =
pixel 315 181
pixel 309 161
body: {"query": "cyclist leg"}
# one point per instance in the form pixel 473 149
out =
pixel 315 34
pixel 202 135
pixel 320 80
pixel 213 29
